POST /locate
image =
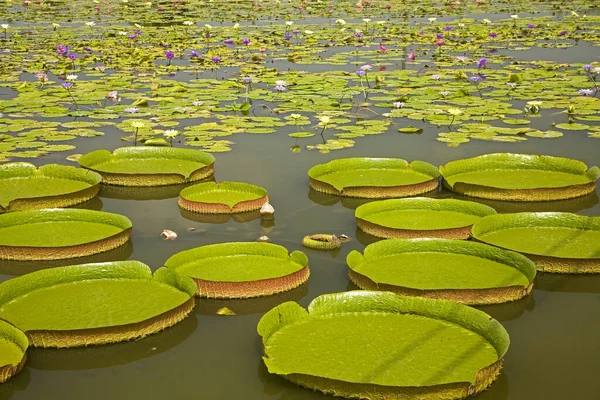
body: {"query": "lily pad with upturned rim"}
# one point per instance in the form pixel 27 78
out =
pixel 466 272
pixel 53 234
pixel 241 270
pixel 520 177
pixel 374 177
pixel 149 166
pixel 88 304
pixel 420 217
pixel 13 348
pixel 555 241
pixel 375 342
pixel 222 197
pixel 23 186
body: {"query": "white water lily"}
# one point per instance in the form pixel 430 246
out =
pixel 486 21
pixel 188 23
pixel 207 26
pixel 236 26
pixel 308 32
pixel 72 77
pixel 289 23
pixel 138 123
pixel 295 116
pixel 5 26
pixel 90 24
pixel 281 83
pixel 534 103
pixel 367 20
pixel 122 33
pixel 340 21
pixel 454 111
pixel 432 19
pixel 171 133
pixel 55 25
pixel 324 120
pixel 514 16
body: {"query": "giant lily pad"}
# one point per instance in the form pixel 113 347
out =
pixel 53 234
pixel 86 304
pixel 520 177
pixel 241 270
pixel 149 166
pixel 556 242
pixel 380 345
pixel 25 187
pixel 420 217
pixel 222 197
pixel 373 177
pixel 466 272
pixel 13 345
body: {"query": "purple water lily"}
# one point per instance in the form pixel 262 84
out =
pixel 482 63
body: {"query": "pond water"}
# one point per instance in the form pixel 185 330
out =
pixel 554 353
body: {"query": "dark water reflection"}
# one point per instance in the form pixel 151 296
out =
pixel 18 268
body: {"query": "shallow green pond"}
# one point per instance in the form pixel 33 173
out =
pixel 554 332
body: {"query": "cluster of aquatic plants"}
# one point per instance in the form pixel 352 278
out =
pixel 205 82
pixel 327 73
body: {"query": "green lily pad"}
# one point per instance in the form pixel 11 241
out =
pixel 410 129
pixel 108 302
pixel 240 270
pixel 13 345
pixel 520 177
pixel 556 242
pixel 149 166
pixel 301 134
pixel 573 127
pixel 420 217
pixel 373 177
pixel 466 272
pixel 515 121
pixel 52 234
pixel 24 187
pixel 222 197
pixel 375 341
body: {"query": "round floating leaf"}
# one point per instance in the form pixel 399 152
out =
pixel 107 302
pixel 573 127
pixel 373 177
pixel 513 121
pixel 149 166
pixel 466 272
pixel 240 270
pixel 24 187
pixel 13 345
pixel 301 134
pixel 556 242
pixel 222 197
pixel 52 234
pixel 374 341
pixel 520 177
pixel 410 129
pixel 420 217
